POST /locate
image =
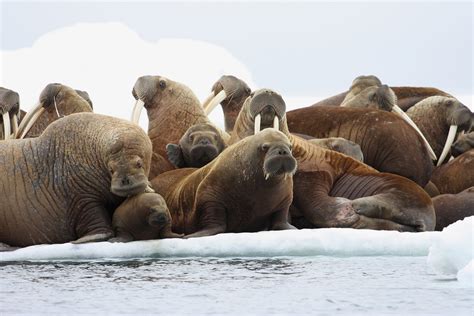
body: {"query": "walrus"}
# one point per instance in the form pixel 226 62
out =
pixel 450 208
pixel 464 142
pixel 63 185
pixel 333 190
pixel 340 145
pixel 360 84
pixel 55 101
pixel 383 137
pixel 441 119
pixel 9 113
pixel 172 108
pixel 247 188
pixel 456 175
pixel 199 145
pixel 142 217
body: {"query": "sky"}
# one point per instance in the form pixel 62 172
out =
pixel 304 50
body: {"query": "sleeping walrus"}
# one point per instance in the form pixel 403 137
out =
pixel 247 188
pixel 64 185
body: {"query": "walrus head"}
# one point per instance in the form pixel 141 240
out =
pixel 129 165
pixel 275 149
pixel 86 97
pixel 373 97
pixel 199 145
pixel 154 207
pixel 464 143
pixel 9 111
pixel 267 108
pixel 231 93
pixel 55 101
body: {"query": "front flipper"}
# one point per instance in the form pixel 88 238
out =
pixel 5 247
pixel 280 220
pixel 93 238
pixel 381 224
pixel 212 218
pixel 93 225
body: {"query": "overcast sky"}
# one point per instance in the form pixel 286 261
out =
pixel 299 49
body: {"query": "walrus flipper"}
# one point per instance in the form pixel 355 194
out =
pixel 5 247
pixel 175 155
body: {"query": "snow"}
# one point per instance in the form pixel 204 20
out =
pixel 453 253
pixel 307 242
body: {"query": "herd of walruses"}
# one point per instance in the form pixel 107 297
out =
pixel 373 157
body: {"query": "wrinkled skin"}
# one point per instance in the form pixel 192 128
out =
pixel 456 175
pixel 172 108
pixel 247 188
pixel 465 142
pixel 64 185
pixel 435 115
pixel 450 208
pixel 199 145
pixel 340 145
pixel 9 104
pixel 142 217
pixel 58 98
pixel 333 190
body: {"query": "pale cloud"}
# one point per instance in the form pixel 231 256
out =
pixel 105 59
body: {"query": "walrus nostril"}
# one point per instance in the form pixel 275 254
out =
pixel 125 181
pixel 282 152
pixel 204 141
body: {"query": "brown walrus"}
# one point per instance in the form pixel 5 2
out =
pixel 64 185
pixel 450 208
pixel 247 188
pixel 464 143
pixel 333 190
pixel 383 137
pixel 9 113
pixel 199 145
pixel 456 175
pixel 172 108
pixel 55 101
pixel 441 119
pixel 142 217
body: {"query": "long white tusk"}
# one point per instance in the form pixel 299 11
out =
pixel 276 123
pixel 28 117
pixel 15 125
pixel 6 125
pixel 137 111
pixel 407 119
pixel 449 141
pixel 215 101
pixel 258 120
pixel 207 100
pixel 31 122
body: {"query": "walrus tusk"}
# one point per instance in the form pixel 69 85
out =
pixel 31 122
pixel 449 141
pixel 276 123
pixel 407 119
pixel 6 125
pixel 258 120
pixel 15 125
pixel 29 119
pixel 137 111
pixel 207 100
pixel 215 101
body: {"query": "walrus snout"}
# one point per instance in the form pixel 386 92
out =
pixel 49 93
pixel 264 98
pixel 279 161
pixel 159 216
pixel 202 153
pixel 464 143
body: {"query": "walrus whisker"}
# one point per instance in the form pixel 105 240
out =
pixel 449 141
pixel 407 119
pixel 258 120
pixel 215 101
pixel 137 110
pixel 6 125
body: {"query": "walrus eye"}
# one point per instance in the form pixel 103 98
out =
pixel 162 84
pixel 264 147
pixel 247 90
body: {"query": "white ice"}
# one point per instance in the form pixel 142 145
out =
pixel 453 253
pixel 307 242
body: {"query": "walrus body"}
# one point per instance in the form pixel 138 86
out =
pixel 333 190
pixel 142 217
pixel 247 188
pixel 450 208
pixel 63 185
pixel 172 108
pixel 456 175
pixel 388 143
